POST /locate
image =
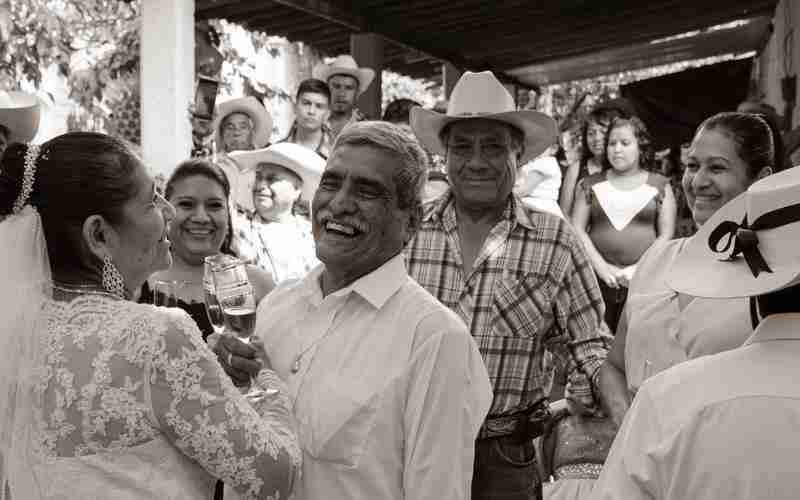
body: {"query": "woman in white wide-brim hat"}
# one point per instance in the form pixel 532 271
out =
pixel 277 237
pixel 19 117
pixel 749 247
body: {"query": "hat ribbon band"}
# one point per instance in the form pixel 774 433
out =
pixel 745 240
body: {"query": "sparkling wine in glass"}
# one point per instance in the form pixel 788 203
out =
pixel 213 309
pixel 236 298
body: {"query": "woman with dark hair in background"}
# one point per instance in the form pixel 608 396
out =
pixel 199 191
pixel 99 395
pixel 593 149
pixel 621 211
pixel 660 327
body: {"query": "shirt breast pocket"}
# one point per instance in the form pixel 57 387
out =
pixel 340 421
pixel 521 306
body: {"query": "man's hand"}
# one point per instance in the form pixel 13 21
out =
pixel 239 360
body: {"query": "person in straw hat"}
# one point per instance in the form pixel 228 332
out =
pixel 347 81
pixel 725 425
pixel 519 278
pixel 277 238
pixel 19 118
pixel 241 124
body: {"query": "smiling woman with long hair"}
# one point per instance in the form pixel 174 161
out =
pixel 199 191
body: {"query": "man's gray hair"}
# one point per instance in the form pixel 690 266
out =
pixel 400 142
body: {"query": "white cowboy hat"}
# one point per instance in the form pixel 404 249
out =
pixel 481 95
pixel 299 159
pixel 345 65
pixel 760 228
pixel 19 112
pixel 262 120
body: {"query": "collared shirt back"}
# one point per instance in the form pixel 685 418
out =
pixel 720 426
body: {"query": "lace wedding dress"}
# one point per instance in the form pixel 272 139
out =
pixel 130 403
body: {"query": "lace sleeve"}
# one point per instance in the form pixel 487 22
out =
pixel 252 449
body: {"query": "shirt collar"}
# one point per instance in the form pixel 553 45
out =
pixel 514 212
pixel 376 287
pixel 777 327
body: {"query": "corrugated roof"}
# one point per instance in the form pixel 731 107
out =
pixel 526 42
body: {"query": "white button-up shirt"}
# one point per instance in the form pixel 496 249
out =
pixel 721 426
pixel 389 388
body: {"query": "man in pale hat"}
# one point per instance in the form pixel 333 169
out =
pixel 726 425
pixel 519 278
pixel 277 236
pixel 241 124
pixel 347 81
pixel 19 118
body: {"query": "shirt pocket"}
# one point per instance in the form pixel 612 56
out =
pixel 521 306
pixel 341 419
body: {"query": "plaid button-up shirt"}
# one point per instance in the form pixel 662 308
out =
pixel 531 293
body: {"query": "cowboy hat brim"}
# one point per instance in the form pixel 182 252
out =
pixel 540 130
pixel 700 272
pixel 21 117
pixel 364 76
pixel 262 120
pixel 308 166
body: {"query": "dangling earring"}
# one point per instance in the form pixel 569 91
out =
pixel 112 279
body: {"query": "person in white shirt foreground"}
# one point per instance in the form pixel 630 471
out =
pixel 726 425
pixel 387 384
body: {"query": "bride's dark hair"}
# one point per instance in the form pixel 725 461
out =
pixel 78 174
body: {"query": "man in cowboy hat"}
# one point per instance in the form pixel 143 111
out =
pixel 19 118
pixel 726 425
pixel 518 278
pixel 277 237
pixel 347 81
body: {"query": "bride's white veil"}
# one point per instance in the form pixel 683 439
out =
pixel 25 286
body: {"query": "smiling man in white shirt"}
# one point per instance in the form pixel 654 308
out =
pixel 388 387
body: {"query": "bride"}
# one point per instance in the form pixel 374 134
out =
pixel 101 397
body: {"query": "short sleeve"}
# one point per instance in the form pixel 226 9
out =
pixel 251 448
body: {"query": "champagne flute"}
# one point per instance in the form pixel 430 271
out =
pixel 236 298
pixel 213 309
pixel 237 301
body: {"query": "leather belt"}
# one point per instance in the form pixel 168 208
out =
pixel 522 425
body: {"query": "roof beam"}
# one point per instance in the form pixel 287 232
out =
pixel 358 23
pixel 328 11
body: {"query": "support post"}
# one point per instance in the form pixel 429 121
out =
pixel 367 50
pixel 167 82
